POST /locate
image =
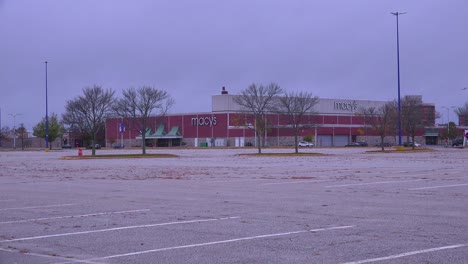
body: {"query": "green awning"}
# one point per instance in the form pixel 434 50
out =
pixel 431 132
pixel 160 131
pixel 174 132
pixel 148 133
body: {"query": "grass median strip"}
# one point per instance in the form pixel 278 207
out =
pixel 120 156
pixel 282 154
pixel 405 150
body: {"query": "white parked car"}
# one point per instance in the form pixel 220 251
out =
pixel 305 144
pixel 410 144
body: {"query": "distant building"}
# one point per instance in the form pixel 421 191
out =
pixel 336 123
pixel 463 120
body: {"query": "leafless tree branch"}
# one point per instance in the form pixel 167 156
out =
pixel 258 100
pixel 88 112
pixel 139 104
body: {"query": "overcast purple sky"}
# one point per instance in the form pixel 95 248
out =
pixel 191 48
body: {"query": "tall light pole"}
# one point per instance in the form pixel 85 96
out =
pixel 46 111
pixel 448 118
pixel 397 14
pixel 1 131
pixel 14 129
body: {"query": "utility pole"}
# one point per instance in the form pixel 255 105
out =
pixel 397 14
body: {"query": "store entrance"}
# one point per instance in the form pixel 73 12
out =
pixel 431 140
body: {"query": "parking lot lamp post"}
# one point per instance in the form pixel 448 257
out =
pixel 448 121
pixel 448 118
pixel 46 112
pixel 397 14
pixel 14 129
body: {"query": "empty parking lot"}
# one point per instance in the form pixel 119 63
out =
pixel 215 206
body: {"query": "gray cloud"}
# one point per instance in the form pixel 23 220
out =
pixel 335 49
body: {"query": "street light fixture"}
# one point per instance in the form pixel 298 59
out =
pixel 14 129
pixel 46 111
pixel 397 14
pixel 448 117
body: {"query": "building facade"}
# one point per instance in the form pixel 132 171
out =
pixel 336 122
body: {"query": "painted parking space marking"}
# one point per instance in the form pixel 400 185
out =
pixel 227 181
pixel 36 207
pixel 440 186
pixel 407 254
pixel 44 256
pixel 118 229
pixel 74 216
pixel 293 182
pixel 213 243
pixel 370 183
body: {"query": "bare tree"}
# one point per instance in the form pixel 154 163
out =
pixel 412 116
pixel 450 133
pixel 382 120
pixel 21 133
pixel 138 104
pixel 295 105
pixel 4 135
pixel 463 113
pixel 258 100
pixel 88 112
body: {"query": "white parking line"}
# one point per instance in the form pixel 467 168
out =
pixel 213 243
pixel 235 180
pixel 118 228
pixel 73 216
pixel 369 183
pixel 292 182
pixel 45 256
pixel 440 186
pixel 36 207
pixel 406 254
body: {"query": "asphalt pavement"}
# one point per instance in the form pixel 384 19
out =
pixel 216 206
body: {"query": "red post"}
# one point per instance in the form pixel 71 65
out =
pixel 80 152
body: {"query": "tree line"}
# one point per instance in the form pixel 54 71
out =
pixel 384 120
pixel 259 100
pixel 87 113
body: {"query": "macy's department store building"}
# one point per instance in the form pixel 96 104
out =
pixel 335 123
